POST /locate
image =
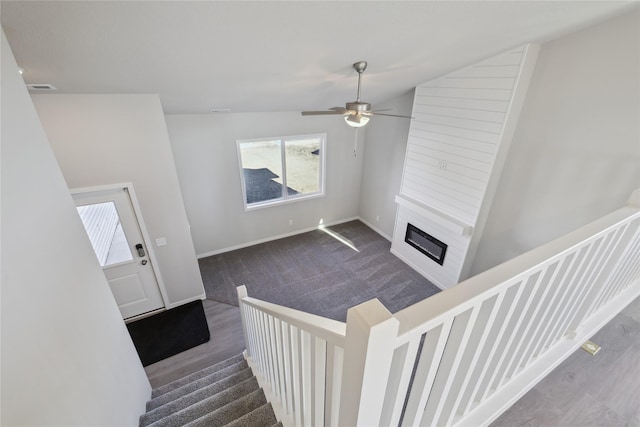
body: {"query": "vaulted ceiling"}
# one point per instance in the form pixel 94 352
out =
pixel 272 56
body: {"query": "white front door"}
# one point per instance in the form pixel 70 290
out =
pixel 113 229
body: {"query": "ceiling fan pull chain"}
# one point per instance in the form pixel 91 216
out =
pixel 355 143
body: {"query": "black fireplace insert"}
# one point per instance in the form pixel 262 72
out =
pixel 425 243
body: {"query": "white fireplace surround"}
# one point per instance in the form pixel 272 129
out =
pixel 448 231
pixel 458 140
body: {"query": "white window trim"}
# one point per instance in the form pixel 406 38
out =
pixel 286 199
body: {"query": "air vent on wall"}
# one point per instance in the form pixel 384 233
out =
pixel 40 86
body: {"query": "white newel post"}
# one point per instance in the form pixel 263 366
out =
pixel 369 345
pixel 242 292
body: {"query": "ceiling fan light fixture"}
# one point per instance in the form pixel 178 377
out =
pixel 356 113
pixel 356 120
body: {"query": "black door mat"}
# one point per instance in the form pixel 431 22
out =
pixel 170 332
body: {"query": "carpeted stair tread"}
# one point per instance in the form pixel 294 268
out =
pixel 260 417
pixel 225 394
pixel 182 402
pixel 197 384
pixel 245 378
pixel 196 375
pixel 203 407
pixel 231 411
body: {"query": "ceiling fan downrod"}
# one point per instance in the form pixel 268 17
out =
pixel 359 66
pixel 357 106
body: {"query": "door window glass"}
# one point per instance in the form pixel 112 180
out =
pixel 102 223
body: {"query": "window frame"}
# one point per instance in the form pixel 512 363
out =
pixel 284 198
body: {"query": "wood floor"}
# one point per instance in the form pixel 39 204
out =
pixel 585 390
pixel 226 341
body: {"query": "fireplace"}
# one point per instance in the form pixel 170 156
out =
pixel 425 243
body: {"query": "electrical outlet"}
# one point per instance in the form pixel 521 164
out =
pixel 290 222
pixel 442 165
pixel 377 218
pixel 161 241
pixel 590 347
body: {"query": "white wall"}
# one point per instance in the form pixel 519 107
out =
pixel 575 155
pixel 109 139
pixel 204 148
pixel 386 144
pixel 67 358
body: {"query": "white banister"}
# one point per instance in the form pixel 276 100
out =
pixel 370 329
pixel 242 293
pixel 491 338
pixel 297 358
pixel 625 258
pixel 328 329
pixel 458 358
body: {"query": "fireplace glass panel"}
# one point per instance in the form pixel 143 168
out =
pixel 425 243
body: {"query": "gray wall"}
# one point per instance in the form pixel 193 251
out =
pixel 67 358
pixel 384 154
pixel 575 155
pixel 204 148
pixel 111 139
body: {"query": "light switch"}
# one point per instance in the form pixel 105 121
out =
pixel 161 241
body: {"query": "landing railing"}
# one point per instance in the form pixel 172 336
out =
pixel 299 356
pixel 460 357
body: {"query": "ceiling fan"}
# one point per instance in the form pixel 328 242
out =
pixel 355 113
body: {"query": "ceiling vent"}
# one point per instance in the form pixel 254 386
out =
pixel 40 86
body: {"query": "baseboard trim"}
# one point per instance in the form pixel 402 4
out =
pixel 374 228
pixel 279 236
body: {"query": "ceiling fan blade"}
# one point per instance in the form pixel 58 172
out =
pixel 320 113
pixel 390 115
pixel 340 110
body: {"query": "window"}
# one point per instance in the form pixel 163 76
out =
pixel 281 170
pixel 105 232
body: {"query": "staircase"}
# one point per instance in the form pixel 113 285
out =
pixel 225 394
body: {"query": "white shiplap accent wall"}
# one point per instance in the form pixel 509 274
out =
pixel 461 122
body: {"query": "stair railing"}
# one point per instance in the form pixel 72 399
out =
pixel 299 357
pixel 460 357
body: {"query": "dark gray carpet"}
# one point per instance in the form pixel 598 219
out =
pixel 223 394
pixel 317 273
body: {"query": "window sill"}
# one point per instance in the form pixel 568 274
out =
pixel 279 202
